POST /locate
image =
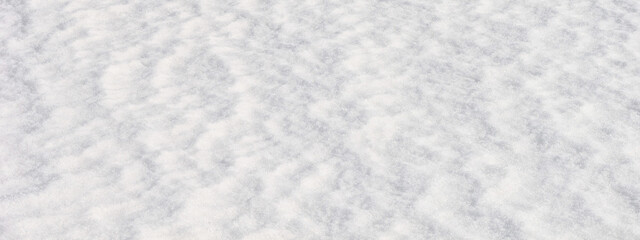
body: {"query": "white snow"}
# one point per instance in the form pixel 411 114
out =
pixel 398 119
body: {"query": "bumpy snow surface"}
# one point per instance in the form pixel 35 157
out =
pixel 319 119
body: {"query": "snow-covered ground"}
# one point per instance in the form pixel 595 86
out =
pixel 319 119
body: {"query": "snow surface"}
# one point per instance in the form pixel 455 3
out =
pixel 332 119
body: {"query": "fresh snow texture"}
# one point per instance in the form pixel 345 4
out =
pixel 319 119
